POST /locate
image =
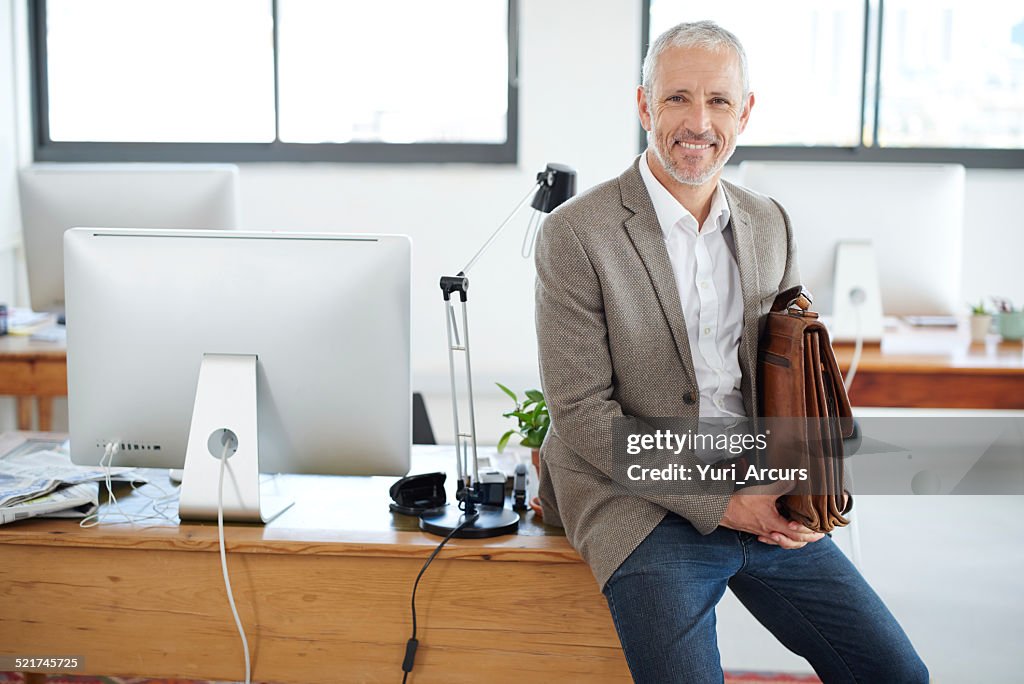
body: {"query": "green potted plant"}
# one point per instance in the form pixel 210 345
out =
pixel 1009 320
pixel 532 420
pixel 981 321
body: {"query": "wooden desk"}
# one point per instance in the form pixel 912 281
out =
pixel 936 368
pixel 323 592
pixel 33 370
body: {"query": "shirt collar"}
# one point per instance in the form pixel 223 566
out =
pixel 670 211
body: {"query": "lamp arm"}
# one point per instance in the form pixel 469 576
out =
pixel 499 229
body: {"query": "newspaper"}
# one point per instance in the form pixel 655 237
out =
pixel 27 474
pixel 72 501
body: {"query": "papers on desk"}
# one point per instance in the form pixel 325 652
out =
pixel 50 333
pixel 34 483
pixel 25 321
pixel 73 501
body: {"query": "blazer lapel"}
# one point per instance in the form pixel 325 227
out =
pixel 646 235
pixel 744 238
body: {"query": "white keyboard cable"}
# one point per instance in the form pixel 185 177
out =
pixel 94 518
pixel 224 561
pixel 530 237
pixel 857 299
pixel 158 504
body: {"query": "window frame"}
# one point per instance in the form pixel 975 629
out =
pixel 47 150
pixel 978 158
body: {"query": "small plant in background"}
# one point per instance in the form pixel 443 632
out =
pixel 532 417
pixel 978 309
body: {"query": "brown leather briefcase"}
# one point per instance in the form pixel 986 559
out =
pixel 800 382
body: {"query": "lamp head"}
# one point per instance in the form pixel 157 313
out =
pixel 557 184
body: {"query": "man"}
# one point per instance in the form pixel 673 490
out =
pixel 651 291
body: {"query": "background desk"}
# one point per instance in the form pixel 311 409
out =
pixel 33 370
pixel 323 592
pixel 936 368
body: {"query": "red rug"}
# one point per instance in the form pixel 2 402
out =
pixel 769 678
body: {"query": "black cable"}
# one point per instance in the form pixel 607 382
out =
pixel 412 644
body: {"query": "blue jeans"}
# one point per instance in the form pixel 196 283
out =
pixel 813 600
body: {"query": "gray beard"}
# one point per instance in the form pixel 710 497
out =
pixel 672 169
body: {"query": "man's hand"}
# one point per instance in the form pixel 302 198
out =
pixel 754 511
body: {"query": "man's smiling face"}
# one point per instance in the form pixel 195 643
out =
pixel 694 111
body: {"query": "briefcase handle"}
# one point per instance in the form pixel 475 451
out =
pixel 796 297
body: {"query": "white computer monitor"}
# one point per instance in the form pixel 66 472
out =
pixel 911 213
pixel 55 197
pixel 325 317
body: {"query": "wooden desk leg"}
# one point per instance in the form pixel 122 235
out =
pixel 45 405
pixel 24 413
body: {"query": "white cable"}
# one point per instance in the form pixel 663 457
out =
pixel 858 347
pixel 530 237
pixel 158 504
pixel 224 561
pixel 93 519
pixel 161 504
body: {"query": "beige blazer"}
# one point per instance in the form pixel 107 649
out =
pixel 612 342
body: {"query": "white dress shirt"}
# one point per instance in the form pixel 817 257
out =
pixel 709 288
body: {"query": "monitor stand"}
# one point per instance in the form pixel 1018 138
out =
pixel 224 416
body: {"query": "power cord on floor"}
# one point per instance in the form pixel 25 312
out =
pixel 413 643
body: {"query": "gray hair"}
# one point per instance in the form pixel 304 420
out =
pixel 703 34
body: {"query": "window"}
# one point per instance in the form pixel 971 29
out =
pixel 875 80
pixel 952 74
pixel 275 80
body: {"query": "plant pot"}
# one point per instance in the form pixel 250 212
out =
pixel 1011 325
pixel 980 324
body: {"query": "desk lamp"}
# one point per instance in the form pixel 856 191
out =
pixel 554 185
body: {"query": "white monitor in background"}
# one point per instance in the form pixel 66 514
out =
pixel 315 330
pixel 911 213
pixel 55 197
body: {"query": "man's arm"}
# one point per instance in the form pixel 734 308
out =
pixel 756 512
pixel 576 367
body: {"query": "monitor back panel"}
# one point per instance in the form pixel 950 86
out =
pixel 326 315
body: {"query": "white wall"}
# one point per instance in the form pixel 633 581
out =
pixel 994 235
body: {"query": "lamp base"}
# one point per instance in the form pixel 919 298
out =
pixel 491 522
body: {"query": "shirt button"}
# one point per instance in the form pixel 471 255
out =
pixel 689 398
pixel 707 331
